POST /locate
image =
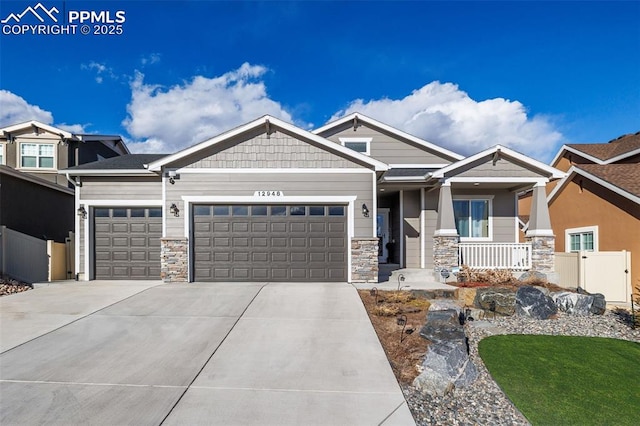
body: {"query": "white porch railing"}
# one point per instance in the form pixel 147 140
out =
pixel 514 256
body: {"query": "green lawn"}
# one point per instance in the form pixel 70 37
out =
pixel 562 380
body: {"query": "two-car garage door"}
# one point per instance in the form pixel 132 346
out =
pixel 269 243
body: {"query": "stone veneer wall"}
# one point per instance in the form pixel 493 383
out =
pixel 364 260
pixel 542 257
pixel 174 261
pixel 445 254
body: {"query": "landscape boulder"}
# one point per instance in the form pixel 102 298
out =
pixel 573 303
pixel 534 303
pixel 533 276
pixel 446 366
pixel 442 325
pixel 502 299
pixel 599 304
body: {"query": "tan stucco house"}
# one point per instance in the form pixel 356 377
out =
pixel 268 201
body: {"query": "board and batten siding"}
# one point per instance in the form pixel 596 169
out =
pixel 386 147
pixel 502 168
pixel 430 220
pixel 278 151
pixel 411 228
pixel 236 184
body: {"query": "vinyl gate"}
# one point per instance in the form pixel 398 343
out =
pixel 606 272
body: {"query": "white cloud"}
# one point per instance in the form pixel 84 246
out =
pixel 168 119
pixel 443 114
pixel 150 59
pixel 72 128
pixel 101 71
pixel 14 110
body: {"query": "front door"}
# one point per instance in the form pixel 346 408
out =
pixel 382 226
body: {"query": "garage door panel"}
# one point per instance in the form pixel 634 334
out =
pixel 127 244
pixel 272 243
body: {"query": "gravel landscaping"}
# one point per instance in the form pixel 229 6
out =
pixel 483 403
pixel 11 286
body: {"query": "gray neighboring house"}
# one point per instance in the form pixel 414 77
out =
pixel 34 198
pixel 268 201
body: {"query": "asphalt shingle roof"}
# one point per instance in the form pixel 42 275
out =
pixel 624 176
pixel 408 172
pixel 606 151
pixel 121 162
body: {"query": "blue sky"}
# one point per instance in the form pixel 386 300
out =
pixel 465 75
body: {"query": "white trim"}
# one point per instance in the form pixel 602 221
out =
pixel 34 123
pixel 122 203
pixel 422 229
pixel 421 142
pixel 419 166
pixel 3 153
pixel 19 166
pixel 536 181
pixel 404 179
pixel 488 198
pixel 504 151
pixel 76 253
pixel 273 124
pixel 540 233
pixel 575 170
pixel 367 141
pixel 622 156
pixel 445 233
pixel 164 206
pixel 374 210
pixel 582 230
pixel 516 219
pixel 348 200
pixel 401 197
pixel 591 157
pixel 193 170
pixel 108 172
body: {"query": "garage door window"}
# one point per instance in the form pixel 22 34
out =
pixel 221 211
pixel 119 213
pixel 101 212
pixel 278 211
pixel 202 211
pixel 137 212
pixel 259 210
pixel 298 210
pixel 336 211
pixel 316 210
pixel 240 210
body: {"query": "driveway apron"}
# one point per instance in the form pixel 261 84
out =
pixel 223 353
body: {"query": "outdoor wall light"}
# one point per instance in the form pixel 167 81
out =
pixel 82 212
pixel 172 176
pixel 365 210
pixel 174 209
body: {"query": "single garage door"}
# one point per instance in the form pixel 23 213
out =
pixel 127 243
pixel 270 243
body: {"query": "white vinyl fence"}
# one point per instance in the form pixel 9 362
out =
pixel 514 256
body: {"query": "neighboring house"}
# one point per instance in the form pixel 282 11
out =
pixel 41 150
pixel 268 201
pixel 597 206
pixel 35 199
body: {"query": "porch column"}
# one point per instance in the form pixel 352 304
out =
pixel 445 238
pixel 540 234
pixel 173 260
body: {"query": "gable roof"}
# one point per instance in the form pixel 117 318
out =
pixel 358 117
pixel 9 171
pixel 623 179
pixel 502 151
pixel 33 123
pixel 605 153
pixel 270 123
pixel 130 163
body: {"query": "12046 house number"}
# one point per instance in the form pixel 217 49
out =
pixel 268 194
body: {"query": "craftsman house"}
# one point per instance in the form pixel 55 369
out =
pixel 268 201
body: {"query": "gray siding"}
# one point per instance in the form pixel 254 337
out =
pixel 388 148
pixel 303 184
pixel 277 151
pixel 503 168
pixel 504 211
pixel 121 188
pixel 412 228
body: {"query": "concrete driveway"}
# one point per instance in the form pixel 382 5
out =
pixel 218 354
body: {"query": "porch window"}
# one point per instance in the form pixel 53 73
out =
pixel 472 218
pixel 37 156
pixel 361 145
pixel 582 239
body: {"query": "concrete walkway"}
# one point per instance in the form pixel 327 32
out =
pixel 221 354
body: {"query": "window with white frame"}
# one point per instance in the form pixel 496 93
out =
pixel 37 155
pixel 361 145
pixel 581 239
pixel 473 218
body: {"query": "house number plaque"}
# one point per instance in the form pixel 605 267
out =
pixel 269 193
